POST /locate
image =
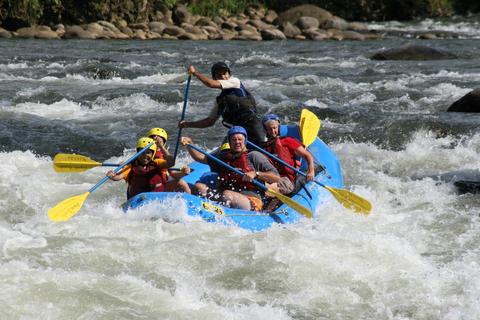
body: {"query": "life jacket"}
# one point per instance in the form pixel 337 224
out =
pixel 145 179
pixel 236 105
pixel 276 148
pixel 164 172
pixel 230 180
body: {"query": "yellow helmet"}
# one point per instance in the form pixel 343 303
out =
pixel 144 141
pixel 158 132
pixel 225 146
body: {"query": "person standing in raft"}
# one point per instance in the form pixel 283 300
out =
pixel 235 104
pixel 234 190
pixel 145 173
pixel 287 149
pixel 174 181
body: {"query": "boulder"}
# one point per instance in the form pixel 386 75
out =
pixel 315 34
pixel 168 37
pixel 336 34
pixel 206 21
pixel 358 26
pixel 28 32
pixel 468 103
pixel 173 31
pixel 140 34
pixel 142 25
pixel 273 34
pixel 352 35
pixel 180 14
pixel 4 33
pixel 77 32
pixel 305 23
pixel 108 25
pixel 290 30
pixel 126 31
pixel 156 26
pixel 226 34
pixel 255 12
pixel 229 25
pixel 218 20
pixel 427 36
pixel 247 35
pixel 335 23
pixel 413 52
pixel 153 35
pixel 270 16
pixel 305 10
pixel 191 29
pixel 260 25
pixel 210 30
pixel 46 33
pixel 247 27
pixel 189 36
pixel 94 28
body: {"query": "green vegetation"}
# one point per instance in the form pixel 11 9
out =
pixel 219 7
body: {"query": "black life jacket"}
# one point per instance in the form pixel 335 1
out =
pixel 238 107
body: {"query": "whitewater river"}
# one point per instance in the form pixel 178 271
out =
pixel 415 257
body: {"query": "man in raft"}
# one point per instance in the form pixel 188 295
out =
pixel 145 173
pixel 234 104
pixel 287 149
pixel 234 190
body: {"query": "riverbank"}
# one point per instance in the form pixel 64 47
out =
pixel 305 22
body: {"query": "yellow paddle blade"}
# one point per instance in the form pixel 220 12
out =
pixel 73 163
pixel 351 200
pixel 292 203
pixel 67 208
pixel 309 126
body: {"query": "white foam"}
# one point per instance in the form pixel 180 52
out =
pixel 63 109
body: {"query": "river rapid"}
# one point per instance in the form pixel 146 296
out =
pixel 415 257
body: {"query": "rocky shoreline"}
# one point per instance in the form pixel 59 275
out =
pixel 304 22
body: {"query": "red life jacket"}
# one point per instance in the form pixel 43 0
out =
pixel 276 148
pixel 145 179
pixel 230 180
pixel 164 173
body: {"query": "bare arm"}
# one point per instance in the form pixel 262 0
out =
pixel 114 176
pixel 166 155
pixel 304 153
pixel 267 176
pixel 211 83
pixel 197 156
pixel 203 123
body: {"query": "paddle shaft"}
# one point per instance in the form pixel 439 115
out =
pixel 208 155
pixel 131 159
pixel 185 100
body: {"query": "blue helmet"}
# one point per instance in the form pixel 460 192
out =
pixel 269 117
pixel 237 129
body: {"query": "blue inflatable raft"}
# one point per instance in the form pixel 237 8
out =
pixel 255 221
